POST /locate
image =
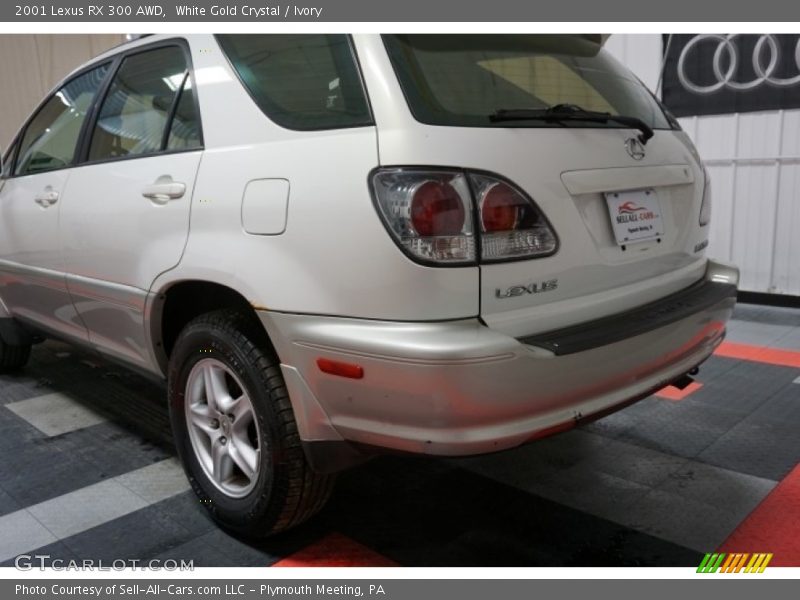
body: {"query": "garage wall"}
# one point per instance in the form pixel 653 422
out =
pixel 32 64
pixel 754 162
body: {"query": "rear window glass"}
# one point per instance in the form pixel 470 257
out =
pixel 462 80
pixel 304 82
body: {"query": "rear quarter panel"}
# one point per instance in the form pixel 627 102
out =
pixel 334 256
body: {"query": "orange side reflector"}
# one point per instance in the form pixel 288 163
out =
pixel 342 369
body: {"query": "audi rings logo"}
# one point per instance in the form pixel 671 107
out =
pixel 766 59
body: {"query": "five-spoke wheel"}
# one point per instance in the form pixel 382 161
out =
pixel 222 427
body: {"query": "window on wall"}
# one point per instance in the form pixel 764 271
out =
pixel 147 91
pixel 51 137
pixel 302 82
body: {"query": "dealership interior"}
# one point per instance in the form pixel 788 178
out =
pixel 712 466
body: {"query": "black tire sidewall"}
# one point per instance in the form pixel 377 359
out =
pixel 13 358
pixel 263 504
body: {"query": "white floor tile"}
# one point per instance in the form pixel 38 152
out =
pixel 54 414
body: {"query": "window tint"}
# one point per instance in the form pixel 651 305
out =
pixel 462 80
pixel 51 137
pixel 184 133
pixel 136 109
pixel 303 82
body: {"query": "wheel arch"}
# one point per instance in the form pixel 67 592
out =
pixel 178 302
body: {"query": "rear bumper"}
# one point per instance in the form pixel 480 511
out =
pixel 457 388
pixel 701 296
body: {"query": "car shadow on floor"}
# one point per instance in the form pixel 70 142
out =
pixel 413 511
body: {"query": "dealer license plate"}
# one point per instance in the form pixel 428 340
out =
pixel 635 216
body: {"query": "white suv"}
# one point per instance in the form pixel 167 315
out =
pixel 333 245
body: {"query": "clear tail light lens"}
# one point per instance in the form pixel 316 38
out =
pixel 512 226
pixel 428 213
pixel 705 207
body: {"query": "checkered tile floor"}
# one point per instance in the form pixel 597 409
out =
pixel 88 472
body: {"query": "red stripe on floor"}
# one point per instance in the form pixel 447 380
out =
pixel 774 525
pixel 335 550
pixel 672 393
pixel 773 356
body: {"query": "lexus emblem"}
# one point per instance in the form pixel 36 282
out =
pixel 635 148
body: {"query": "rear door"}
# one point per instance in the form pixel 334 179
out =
pixel 31 263
pixel 126 215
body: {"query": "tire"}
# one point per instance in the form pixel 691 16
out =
pixel 13 357
pixel 265 485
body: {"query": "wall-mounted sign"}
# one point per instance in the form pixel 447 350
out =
pixel 717 73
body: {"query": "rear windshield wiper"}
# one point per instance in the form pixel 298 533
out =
pixel 571 112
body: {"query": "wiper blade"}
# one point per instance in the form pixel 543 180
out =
pixel 571 112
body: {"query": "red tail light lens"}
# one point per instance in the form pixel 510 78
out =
pixel 437 209
pixel 500 208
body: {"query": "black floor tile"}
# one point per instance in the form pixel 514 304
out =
pixel 714 368
pixel 773 315
pixel 139 535
pixel 56 551
pixel 199 552
pixel 39 472
pixel 783 408
pixel 185 509
pixel 15 387
pixel 7 503
pixel 764 448
pixel 110 448
pixel 745 387
pixel 15 435
pixel 680 428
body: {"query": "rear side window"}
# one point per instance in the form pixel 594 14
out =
pixel 304 82
pixel 462 80
pixel 51 137
pixel 184 132
pixel 137 112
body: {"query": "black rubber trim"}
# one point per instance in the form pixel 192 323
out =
pixel 615 328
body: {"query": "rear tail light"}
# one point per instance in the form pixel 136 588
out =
pixel 705 207
pixel 512 226
pixel 428 213
pixel 431 214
